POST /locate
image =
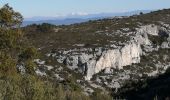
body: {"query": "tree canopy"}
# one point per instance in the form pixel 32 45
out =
pixel 11 41
pixel 9 18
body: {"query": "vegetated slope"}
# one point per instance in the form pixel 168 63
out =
pixel 56 42
pixel 88 33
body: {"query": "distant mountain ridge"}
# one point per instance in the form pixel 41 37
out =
pixel 75 18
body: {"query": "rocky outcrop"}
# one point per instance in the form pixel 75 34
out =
pixel 90 61
pixel 116 58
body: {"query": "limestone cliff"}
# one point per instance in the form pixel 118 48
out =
pixel 116 58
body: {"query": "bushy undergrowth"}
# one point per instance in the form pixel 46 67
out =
pixel 29 87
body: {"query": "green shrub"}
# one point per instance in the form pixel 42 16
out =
pixel 7 64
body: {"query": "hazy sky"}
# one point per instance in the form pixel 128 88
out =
pixel 30 8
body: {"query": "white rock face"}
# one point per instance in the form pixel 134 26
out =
pixel 165 45
pixel 38 72
pixel 150 29
pixel 38 61
pixel 116 58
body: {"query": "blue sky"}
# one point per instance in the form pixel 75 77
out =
pixel 53 8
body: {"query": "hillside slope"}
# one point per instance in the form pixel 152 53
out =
pixel 104 54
